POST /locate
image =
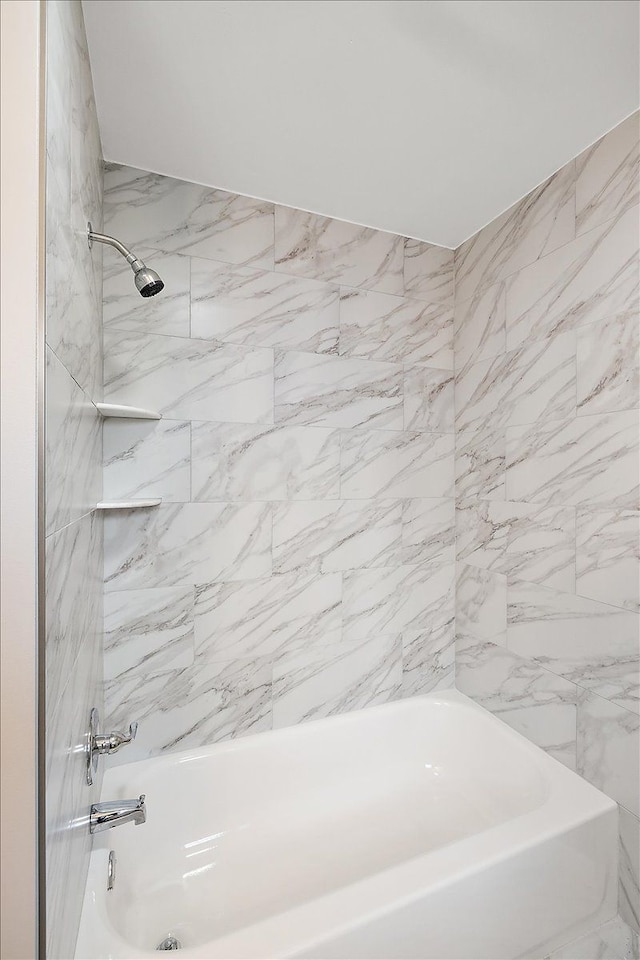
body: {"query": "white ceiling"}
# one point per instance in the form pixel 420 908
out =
pixel 423 117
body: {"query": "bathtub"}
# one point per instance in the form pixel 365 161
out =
pixel 424 828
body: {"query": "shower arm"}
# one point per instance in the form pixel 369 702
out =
pixel 120 247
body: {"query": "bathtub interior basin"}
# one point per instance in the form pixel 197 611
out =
pixel 326 839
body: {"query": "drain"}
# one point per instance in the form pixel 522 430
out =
pixel 169 943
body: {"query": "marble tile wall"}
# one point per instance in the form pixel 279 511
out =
pixel 74 530
pixel 302 561
pixel 547 395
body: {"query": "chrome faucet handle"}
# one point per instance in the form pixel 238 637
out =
pixel 98 744
pixel 112 742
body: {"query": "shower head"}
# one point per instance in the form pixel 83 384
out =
pixel 147 281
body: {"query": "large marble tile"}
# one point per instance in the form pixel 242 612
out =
pixel 189 379
pixel 586 460
pixel 181 544
pixel 329 536
pixel 428 530
pixel 428 272
pixel 480 463
pixel 614 940
pixel 167 313
pixel 147 458
pixel 325 679
pixel 73 448
pixel 379 326
pixel 591 279
pixel 535 702
pixel 308 245
pixel 532 228
pixel 246 462
pixel 609 749
pixel 428 400
pixel 180 709
pixel 388 464
pixel 608 556
pixel 337 392
pixel 479 327
pixel 537 382
pixel 608 366
pixel 481 603
pixel 394 600
pixel 266 617
pixel 262 308
pixel 428 659
pixel 147 631
pixel 73 588
pixel 629 868
pixel 593 644
pixel 180 217
pixel 607 175
pixel 526 541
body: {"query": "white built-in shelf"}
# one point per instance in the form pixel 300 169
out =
pixel 127 413
pixel 127 504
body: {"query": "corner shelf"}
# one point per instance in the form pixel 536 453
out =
pixel 127 504
pixel 125 412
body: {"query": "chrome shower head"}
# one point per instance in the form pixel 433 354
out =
pixel 147 281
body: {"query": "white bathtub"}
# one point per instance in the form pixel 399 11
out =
pixel 424 828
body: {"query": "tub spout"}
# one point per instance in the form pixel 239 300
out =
pixel 114 812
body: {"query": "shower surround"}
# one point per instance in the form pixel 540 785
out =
pixel 547 470
pixel 302 561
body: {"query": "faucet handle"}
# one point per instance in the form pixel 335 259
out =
pixel 112 742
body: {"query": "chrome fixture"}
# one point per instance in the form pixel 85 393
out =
pixel 98 744
pixel 114 812
pixel 169 943
pixel 111 870
pixel 146 280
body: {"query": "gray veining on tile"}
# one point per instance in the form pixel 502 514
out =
pixel 266 617
pixel 181 544
pixel 593 644
pixel 189 379
pixel 180 217
pixel 328 536
pixel 337 392
pixel 587 460
pixel 479 327
pixel 147 630
pixel 167 313
pixel 534 383
pixel 428 400
pixel 611 941
pixel 607 175
pixel 608 366
pixel 204 703
pixel 526 541
pixel 428 272
pixel 535 702
pixel 428 530
pixel 246 462
pixel 147 458
pixel 379 326
pixel 73 440
pixel 322 680
pixel 590 280
pixel 394 600
pixel 308 245
pixel 389 464
pixel 480 463
pixel 608 556
pixel 629 868
pixel 609 749
pixel 262 308
pixel 535 226
pixel 428 659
